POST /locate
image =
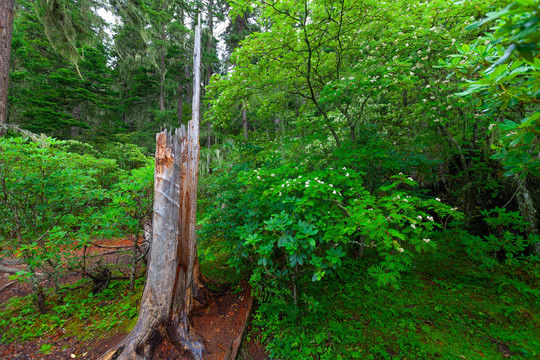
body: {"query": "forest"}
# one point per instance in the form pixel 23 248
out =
pixel 352 179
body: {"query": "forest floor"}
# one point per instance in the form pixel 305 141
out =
pixel 84 325
pixel 447 308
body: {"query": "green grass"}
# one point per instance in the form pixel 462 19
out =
pixel 79 313
pixel 446 308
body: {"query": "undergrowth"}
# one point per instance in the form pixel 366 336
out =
pixel 78 313
pixel 446 308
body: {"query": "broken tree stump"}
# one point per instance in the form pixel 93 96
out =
pixel 168 295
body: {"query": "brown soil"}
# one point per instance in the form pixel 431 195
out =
pixel 220 323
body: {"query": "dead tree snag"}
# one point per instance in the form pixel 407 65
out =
pixel 170 286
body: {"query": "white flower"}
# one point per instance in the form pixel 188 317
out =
pixel 258 177
pixel 426 240
pixel 437 199
pixel 430 218
pixel 351 78
pixel 307 185
pixel 331 185
pixel 413 226
pixel 419 217
pixel 347 174
pixel 280 194
pixel 405 200
pixel 334 192
pixel 410 178
pixel 398 197
pixel 401 250
pixel 491 126
pixel 344 168
pixel 300 177
pixel 428 86
pixel 272 175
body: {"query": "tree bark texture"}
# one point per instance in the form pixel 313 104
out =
pixel 6 30
pixel 245 123
pixel 170 286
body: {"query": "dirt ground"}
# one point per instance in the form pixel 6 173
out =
pixel 220 323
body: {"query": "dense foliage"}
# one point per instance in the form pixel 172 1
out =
pixel 370 167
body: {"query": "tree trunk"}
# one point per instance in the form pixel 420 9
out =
pixel 527 209
pixel 180 108
pixel 210 70
pixel 245 123
pixel 170 286
pixel 162 79
pixel 162 69
pixel 6 30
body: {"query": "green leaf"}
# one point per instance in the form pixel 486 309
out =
pixel 529 137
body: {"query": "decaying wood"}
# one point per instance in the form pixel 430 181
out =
pixel 232 351
pixel 6 286
pixel 12 270
pixel 168 295
pixel 158 293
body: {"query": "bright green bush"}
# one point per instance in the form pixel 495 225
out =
pixel 128 156
pixel 286 222
pixel 54 202
pixel 48 196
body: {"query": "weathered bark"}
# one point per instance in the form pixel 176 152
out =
pixel 6 30
pixel 168 295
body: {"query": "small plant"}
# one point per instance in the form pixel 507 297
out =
pixel 506 242
pixel 46 348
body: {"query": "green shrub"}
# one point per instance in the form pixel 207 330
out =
pixel 505 243
pixel 50 202
pixel 287 222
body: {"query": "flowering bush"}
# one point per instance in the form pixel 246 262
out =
pixel 288 221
